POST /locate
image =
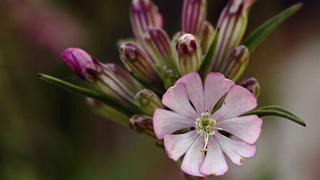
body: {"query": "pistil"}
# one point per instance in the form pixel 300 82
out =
pixel 206 127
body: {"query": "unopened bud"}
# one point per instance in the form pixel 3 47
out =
pixel 207 36
pixel 236 63
pixel 142 124
pixel 189 54
pixel 80 62
pixel 118 82
pixel 143 15
pixel 108 78
pixel 139 64
pixel 158 45
pixel 148 101
pixel 252 84
pixel 169 77
pixel 231 28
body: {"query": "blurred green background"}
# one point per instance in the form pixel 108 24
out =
pixel 47 133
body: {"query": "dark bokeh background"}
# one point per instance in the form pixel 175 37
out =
pixel 49 134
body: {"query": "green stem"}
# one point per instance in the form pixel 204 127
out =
pixel 128 110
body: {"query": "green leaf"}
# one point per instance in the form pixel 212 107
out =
pixel 110 113
pixel 259 35
pixel 279 112
pixel 207 63
pixel 94 94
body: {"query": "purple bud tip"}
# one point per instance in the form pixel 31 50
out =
pixel 78 60
pixel 187 44
pixel 252 85
pixel 237 5
pixel 141 5
pixel 128 51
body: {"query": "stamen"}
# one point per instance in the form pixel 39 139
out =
pixel 206 140
pixel 206 127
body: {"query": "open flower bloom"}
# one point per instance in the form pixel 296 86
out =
pixel 195 130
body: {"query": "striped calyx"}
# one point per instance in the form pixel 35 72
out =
pixel 117 82
pixel 144 15
pixel 206 37
pixel 157 43
pixel 142 124
pixel 138 62
pixel 188 52
pixel 236 63
pixel 231 28
pixel 193 16
pixel 148 101
pixel 109 78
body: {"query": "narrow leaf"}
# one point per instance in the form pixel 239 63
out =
pixel 279 112
pixel 95 94
pixel 207 63
pixel 108 112
pixel 259 35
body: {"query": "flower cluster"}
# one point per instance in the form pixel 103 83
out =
pixel 168 90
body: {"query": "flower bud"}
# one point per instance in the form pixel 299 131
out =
pixel 148 101
pixel 139 64
pixel 207 36
pixel 116 81
pixel 193 16
pixel 236 63
pixel 169 77
pixel 189 53
pixel 80 62
pixel 252 84
pixel 143 15
pixel 142 124
pixel 157 43
pixel 231 28
pixel 109 78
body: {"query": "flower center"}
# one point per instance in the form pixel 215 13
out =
pixel 206 126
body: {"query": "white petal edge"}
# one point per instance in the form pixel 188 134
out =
pixel 194 88
pixel 176 99
pixel 193 159
pixel 246 128
pixel 235 149
pixel 177 145
pixel 215 87
pixel 237 102
pixel 167 122
pixel 215 162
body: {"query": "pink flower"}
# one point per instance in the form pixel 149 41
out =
pixel 192 129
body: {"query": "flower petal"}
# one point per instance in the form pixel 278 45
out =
pixel 238 101
pixel 194 87
pixel 176 99
pixel 215 86
pixel 167 122
pixel 235 149
pixel 247 128
pixel 177 145
pixel 214 163
pixel 194 158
